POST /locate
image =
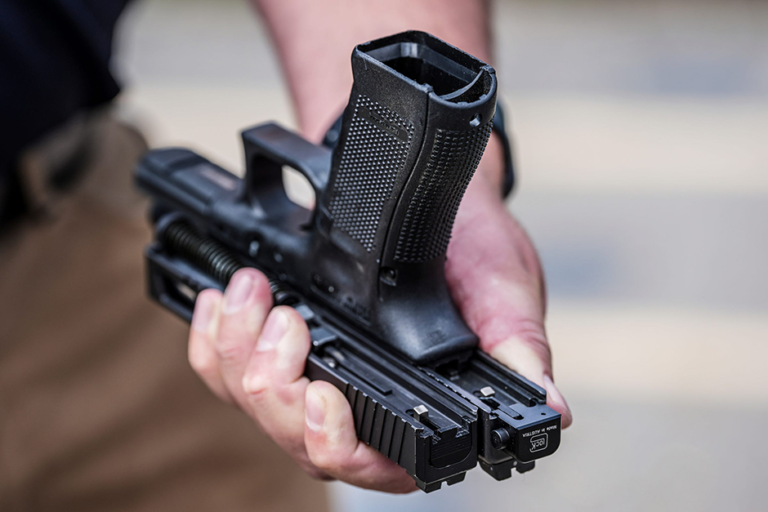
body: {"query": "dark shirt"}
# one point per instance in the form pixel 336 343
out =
pixel 54 62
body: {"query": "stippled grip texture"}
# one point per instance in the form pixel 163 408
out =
pixel 428 222
pixel 374 154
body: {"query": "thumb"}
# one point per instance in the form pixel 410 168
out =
pixel 333 446
pixel 508 316
pixel 531 357
pixel 496 279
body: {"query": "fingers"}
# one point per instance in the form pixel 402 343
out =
pixel 273 382
pixel 255 358
pixel 332 444
pixel 224 331
pixel 246 303
pixel 201 352
pixel 273 390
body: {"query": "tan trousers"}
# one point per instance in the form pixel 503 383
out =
pixel 99 410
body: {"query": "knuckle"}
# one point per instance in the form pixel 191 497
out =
pixel 200 362
pixel 258 380
pixel 532 333
pixel 327 461
pixel 255 388
pixel 230 345
pixel 199 365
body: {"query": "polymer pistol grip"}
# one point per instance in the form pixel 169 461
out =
pixel 414 130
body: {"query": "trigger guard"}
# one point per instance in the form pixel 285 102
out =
pixel 269 147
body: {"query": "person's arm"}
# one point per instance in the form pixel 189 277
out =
pixel 255 358
pixel 314 40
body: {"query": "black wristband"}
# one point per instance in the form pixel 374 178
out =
pixel 508 185
pixel 499 127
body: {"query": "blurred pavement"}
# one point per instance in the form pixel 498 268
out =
pixel 640 131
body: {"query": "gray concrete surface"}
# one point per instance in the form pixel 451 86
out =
pixel 640 131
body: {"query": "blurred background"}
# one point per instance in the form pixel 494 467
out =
pixel 641 134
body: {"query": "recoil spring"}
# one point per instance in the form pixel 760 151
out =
pixel 206 254
pixel 211 257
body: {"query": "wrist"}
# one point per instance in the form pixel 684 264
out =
pixel 488 181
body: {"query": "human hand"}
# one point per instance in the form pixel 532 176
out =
pixel 496 280
pixel 253 356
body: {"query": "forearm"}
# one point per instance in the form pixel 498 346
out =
pixel 315 38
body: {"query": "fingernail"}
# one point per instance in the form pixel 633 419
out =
pixel 314 410
pixel 552 390
pixel 237 293
pixel 556 397
pixel 274 329
pixel 517 354
pixel 204 308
